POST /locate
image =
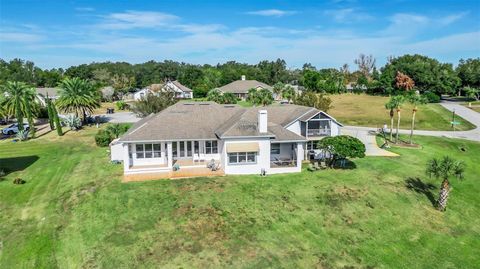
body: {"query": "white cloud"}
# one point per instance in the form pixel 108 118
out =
pixel 272 12
pixel 19 37
pixel 344 15
pixel 452 18
pixel 137 19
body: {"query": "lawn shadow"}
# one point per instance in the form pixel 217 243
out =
pixel 10 165
pixel 344 164
pixel 417 185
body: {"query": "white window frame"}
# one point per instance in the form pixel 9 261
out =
pixel 239 155
pixel 275 150
pixel 212 148
pixel 152 152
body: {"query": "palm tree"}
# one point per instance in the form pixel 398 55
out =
pixel 415 100
pixel 29 105
pixel 288 93
pixel 115 130
pixel 252 96
pixel 397 103
pixel 264 97
pixel 77 96
pixel 15 101
pixel 444 168
pixel 390 105
pixel 278 89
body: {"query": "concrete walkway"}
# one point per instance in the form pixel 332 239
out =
pixel 369 140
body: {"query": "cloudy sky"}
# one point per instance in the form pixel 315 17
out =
pixel 324 33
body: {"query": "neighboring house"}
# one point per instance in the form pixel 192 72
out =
pixel 141 94
pixel 240 87
pixel 42 93
pixel 180 91
pixel 351 86
pixel 188 135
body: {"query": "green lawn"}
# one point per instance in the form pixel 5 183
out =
pixel 74 212
pixel 367 110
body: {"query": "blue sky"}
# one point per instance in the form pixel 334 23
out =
pixel 324 33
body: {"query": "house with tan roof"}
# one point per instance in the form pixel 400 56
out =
pixel 181 91
pixel 226 138
pixel 51 93
pixel 240 87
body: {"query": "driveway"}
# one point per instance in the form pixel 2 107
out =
pixel 120 117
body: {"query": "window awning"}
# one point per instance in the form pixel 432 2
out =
pixel 242 147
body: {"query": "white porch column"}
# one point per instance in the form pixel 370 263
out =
pixel 169 155
pixel 126 157
pixel 300 154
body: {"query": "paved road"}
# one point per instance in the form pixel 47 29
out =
pixel 466 113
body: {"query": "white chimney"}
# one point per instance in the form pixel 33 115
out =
pixel 262 121
pixel 244 77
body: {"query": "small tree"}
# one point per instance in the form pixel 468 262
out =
pixel 288 93
pixel 214 95
pixel 278 89
pixel 390 105
pixel 252 96
pixel 312 99
pixel 444 169
pixel 56 119
pixel 50 113
pixel 397 102
pixel 472 93
pixel 154 103
pixel 404 82
pixel 341 147
pixel 415 100
pixel 264 97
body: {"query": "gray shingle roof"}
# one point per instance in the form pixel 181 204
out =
pixel 209 120
pixel 181 86
pixel 242 86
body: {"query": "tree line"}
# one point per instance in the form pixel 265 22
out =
pixel 430 75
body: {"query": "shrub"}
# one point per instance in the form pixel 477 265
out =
pixel 432 97
pixel 22 135
pixel 113 131
pixel 121 105
pixel 19 181
pixel 73 122
pixel 103 138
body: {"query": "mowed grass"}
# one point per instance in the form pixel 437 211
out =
pixel 74 212
pixel 367 110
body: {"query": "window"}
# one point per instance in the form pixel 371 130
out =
pixel 139 150
pixel 275 149
pixel 148 151
pixel 174 149
pixel 211 147
pixel 311 145
pixel 242 158
pixel 182 149
pixel 189 148
pixel 157 151
pixel 196 147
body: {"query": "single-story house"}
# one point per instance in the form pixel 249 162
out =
pixel 188 135
pixel 180 91
pixel 240 87
pixel 42 93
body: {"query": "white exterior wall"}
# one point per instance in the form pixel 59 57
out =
pixel 138 95
pixel 116 151
pixel 263 157
pixel 147 161
pixel 335 128
pixel 295 127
